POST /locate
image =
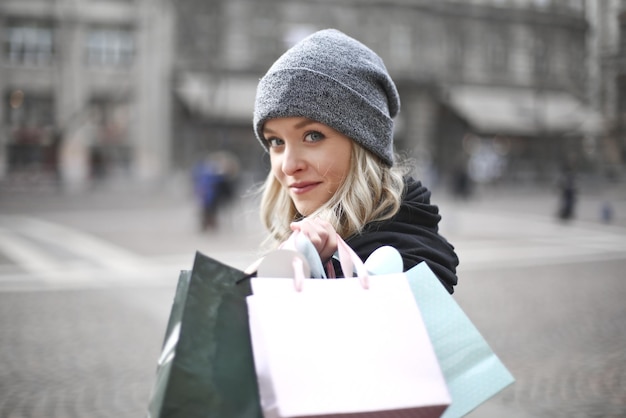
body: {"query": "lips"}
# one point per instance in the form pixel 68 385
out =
pixel 302 187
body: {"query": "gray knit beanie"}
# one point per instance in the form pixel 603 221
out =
pixel 336 80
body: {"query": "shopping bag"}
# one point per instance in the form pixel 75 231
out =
pixel 206 368
pixel 172 333
pixel 356 346
pixel 473 372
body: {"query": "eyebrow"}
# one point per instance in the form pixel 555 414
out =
pixel 299 125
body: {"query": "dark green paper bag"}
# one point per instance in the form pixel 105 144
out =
pixel 206 368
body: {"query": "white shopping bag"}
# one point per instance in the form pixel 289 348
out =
pixel 354 346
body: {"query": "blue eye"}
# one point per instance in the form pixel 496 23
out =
pixel 275 142
pixel 314 136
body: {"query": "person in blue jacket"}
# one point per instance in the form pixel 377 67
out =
pixel 207 179
pixel 324 111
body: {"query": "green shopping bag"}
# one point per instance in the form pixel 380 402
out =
pixel 206 368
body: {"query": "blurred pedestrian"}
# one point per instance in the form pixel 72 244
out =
pixel 97 164
pixel 461 181
pixel 606 212
pixel 54 155
pixel 206 180
pixel 228 167
pixel 567 190
pixel 324 111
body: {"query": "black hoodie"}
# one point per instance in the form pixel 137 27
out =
pixel 413 231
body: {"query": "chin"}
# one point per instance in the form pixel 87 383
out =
pixel 307 207
pixel 305 210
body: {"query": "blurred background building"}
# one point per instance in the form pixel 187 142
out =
pixel 497 90
pixel 86 89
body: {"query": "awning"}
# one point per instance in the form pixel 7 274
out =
pixel 509 111
pixel 227 97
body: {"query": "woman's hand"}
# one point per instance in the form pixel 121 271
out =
pixel 321 233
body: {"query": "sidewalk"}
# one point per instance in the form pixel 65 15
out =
pixel 80 352
pixel 541 200
pixel 158 224
pixel 110 195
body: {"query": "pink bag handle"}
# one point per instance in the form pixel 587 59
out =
pixel 298 269
pixel 350 261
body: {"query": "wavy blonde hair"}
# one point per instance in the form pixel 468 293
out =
pixel 371 191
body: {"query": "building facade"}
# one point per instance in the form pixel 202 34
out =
pixel 499 89
pixel 86 89
pixel 496 87
pixel 609 89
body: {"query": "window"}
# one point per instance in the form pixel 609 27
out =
pixel 111 117
pixel 577 59
pixel 24 108
pixel 29 44
pixel 498 50
pixel 541 58
pixel 112 47
pixel 110 151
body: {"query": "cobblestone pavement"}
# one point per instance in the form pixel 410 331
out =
pixel 81 332
pixel 79 353
pixel 561 330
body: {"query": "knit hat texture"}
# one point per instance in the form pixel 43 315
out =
pixel 334 79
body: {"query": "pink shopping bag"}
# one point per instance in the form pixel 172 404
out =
pixel 355 347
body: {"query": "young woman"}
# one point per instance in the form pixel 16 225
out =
pixel 324 111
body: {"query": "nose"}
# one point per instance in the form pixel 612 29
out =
pixel 292 160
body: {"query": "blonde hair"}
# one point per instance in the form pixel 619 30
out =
pixel 371 191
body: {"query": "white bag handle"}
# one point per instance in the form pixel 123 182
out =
pixel 300 243
pixel 348 259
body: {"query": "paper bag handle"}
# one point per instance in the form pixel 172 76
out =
pixel 348 259
pixel 350 262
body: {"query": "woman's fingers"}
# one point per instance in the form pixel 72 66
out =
pixel 321 234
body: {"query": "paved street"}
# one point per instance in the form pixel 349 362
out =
pixel 87 280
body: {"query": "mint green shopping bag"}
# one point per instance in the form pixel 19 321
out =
pixel 473 372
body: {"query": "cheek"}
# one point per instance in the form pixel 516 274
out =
pixel 277 172
pixel 335 173
pixel 339 170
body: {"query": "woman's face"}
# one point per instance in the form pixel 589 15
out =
pixel 309 159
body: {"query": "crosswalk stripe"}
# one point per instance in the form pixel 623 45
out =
pixel 24 253
pixel 53 256
pixel 85 246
